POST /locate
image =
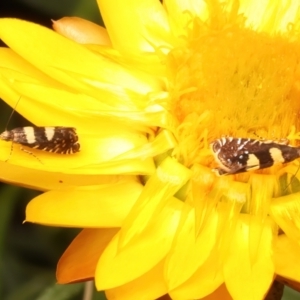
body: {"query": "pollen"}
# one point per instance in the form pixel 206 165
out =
pixel 233 82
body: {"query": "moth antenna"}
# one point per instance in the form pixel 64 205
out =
pixel 11 114
pixel 260 138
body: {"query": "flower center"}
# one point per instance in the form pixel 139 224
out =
pixel 233 82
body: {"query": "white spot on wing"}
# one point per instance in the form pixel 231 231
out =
pixel 223 141
pixel 29 133
pixel 49 133
pixel 253 162
pixel 276 155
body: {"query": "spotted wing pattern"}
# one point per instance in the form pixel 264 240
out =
pixel 236 155
pixel 62 140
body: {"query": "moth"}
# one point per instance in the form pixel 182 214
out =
pixel 56 139
pixel 237 155
pixel 62 140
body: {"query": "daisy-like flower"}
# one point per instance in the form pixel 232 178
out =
pixel 147 96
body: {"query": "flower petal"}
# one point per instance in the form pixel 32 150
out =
pixel 148 28
pixel 50 180
pixel 218 294
pixel 82 31
pixel 181 13
pixel 248 266
pixel 170 176
pixel 149 286
pixel 79 261
pixel 286 258
pixel 69 62
pixel 196 255
pixel 286 211
pixel 189 253
pixel 91 160
pixel 209 274
pixel 270 16
pixel 91 206
pixel 155 240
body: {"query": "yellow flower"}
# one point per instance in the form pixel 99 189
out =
pixel 147 98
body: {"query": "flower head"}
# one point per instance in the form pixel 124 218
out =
pixel 147 98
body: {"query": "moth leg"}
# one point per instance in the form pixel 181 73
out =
pixel 220 172
pixel 254 167
pixel 30 153
pixel 11 150
pixel 283 141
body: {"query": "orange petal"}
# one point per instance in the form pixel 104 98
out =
pixel 82 31
pixel 220 293
pixel 80 259
pixel 286 258
pixel 149 286
pixel 292 284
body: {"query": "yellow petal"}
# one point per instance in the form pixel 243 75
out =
pixel 286 212
pixel 155 240
pixel 14 68
pixel 189 253
pixel 68 62
pixel 170 176
pixel 93 206
pixel 248 267
pixel 207 278
pixel 286 258
pixel 91 159
pixel 149 286
pixel 270 16
pixel 182 10
pixel 51 180
pixel 196 255
pixel 148 28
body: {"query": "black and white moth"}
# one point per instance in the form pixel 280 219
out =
pixel 62 140
pixel 237 155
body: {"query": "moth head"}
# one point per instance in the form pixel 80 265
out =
pixel 6 135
